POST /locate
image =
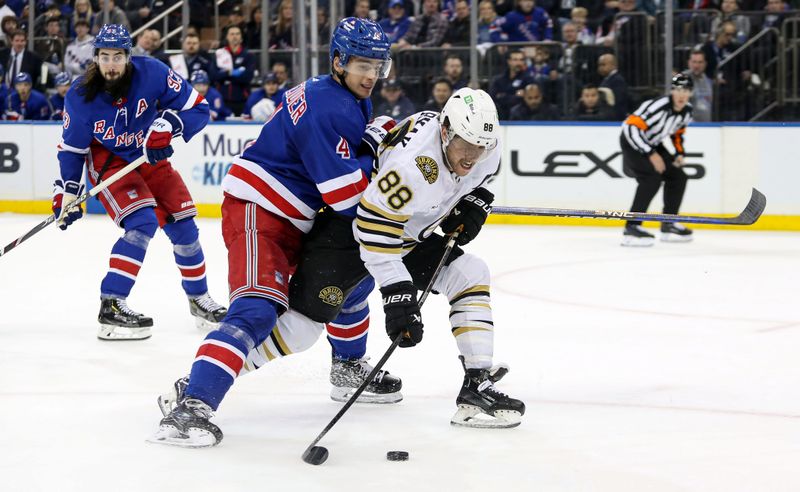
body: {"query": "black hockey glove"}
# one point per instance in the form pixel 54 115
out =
pixel 402 313
pixel 469 215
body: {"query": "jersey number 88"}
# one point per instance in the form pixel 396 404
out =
pixel 399 197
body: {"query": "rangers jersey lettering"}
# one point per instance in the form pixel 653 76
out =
pixel 411 194
pixel 303 159
pixel 120 126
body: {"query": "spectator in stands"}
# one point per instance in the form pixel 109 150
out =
pixel 440 92
pixel 281 70
pixel 82 12
pixel 394 102
pixel 502 7
pixel 579 17
pixel 8 25
pixel 507 88
pixel 720 48
pixel 486 17
pixel 427 30
pixel 458 32
pixel 157 51
pixel 138 12
pixel 253 29
pixel 540 68
pixel 3 92
pixel 591 107
pixel 361 9
pixel 40 23
pixel 569 42
pixel 730 12
pixel 236 18
pixel 80 51
pixel 115 16
pixel 144 44
pixel 61 81
pixel 280 32
pixel 454 71
pixel 323 24
pixel 533 107
pixel 703 94
pixel 5 11
pixel 192 59
pixel 17 59
pixel 26 103
pixel 50 48
pixel 526 23
pixel 614 86
pixel 235 81
pixel 396 24
pixel 202 84
pixel 269 89
pixel 776 13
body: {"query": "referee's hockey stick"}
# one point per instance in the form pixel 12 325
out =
pixel 316 455
pixel 749 215
pixel 94 191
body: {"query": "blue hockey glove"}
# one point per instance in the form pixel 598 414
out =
pixel 64 194
pixel 468 215
pixel 159 137
pixel 237 72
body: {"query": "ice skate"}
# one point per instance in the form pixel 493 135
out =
pixel 188 426
pixel 635 235
pixel 348 374
pixel 480 405
pixel 672 232
pixel 207 313
pixel 169 400
pixel 119 322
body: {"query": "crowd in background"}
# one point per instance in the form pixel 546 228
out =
pixel 530 85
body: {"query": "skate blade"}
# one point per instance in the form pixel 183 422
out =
pixel 637 242
pixel 114 333
pixel 205 325
pixel 474 417
pixel 668 237
pixel 341 395
pixel 193 438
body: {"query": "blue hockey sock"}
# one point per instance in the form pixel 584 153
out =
pixel 347 334
pixel 222 354
pixel 188 256
pixel 128 253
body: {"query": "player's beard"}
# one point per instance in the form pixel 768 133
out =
pixel 94 83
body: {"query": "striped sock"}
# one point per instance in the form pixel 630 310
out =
pixel 217 363
pixel 192 265
pixel 124 264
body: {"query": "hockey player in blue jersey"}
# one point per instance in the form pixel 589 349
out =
pixel 62 81
pixel 269 89
pixel 202 84
pixel 26 103
pixel 526 23
pixel 303 160
pixel 120 109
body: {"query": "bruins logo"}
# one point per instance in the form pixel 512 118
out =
pixel 332 295
pixel 428 168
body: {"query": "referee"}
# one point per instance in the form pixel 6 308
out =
pixel 644 156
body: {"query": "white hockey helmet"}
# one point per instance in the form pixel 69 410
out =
pixel 472 115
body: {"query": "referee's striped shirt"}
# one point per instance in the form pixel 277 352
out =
pixel 654 121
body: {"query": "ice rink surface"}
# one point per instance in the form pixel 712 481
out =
pixel 673 368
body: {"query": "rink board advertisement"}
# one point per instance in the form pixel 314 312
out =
pixel 543 165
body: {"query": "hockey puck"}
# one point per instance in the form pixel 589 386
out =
pixel 397 456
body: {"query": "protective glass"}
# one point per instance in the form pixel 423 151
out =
pixel 460 148
pixel 367 67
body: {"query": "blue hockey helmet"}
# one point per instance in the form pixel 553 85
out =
pixel 200 77
pixel 62 78
pixel 364 38
pixel 23 78
pixel 113 36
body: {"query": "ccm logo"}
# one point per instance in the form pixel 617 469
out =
pixel 397 298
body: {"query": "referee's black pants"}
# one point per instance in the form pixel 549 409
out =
pixel 649 180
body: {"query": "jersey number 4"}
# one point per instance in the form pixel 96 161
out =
pixel 342 148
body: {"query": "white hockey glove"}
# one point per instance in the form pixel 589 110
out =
pixel 64 194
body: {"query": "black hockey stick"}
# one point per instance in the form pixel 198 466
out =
pixel 316 455
pixel 749 215
pixel 94 191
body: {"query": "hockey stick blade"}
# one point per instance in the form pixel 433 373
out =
pixel 750 214
pixel 317 455
pixel 94 191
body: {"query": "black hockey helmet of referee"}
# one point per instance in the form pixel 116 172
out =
pixel 682 81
